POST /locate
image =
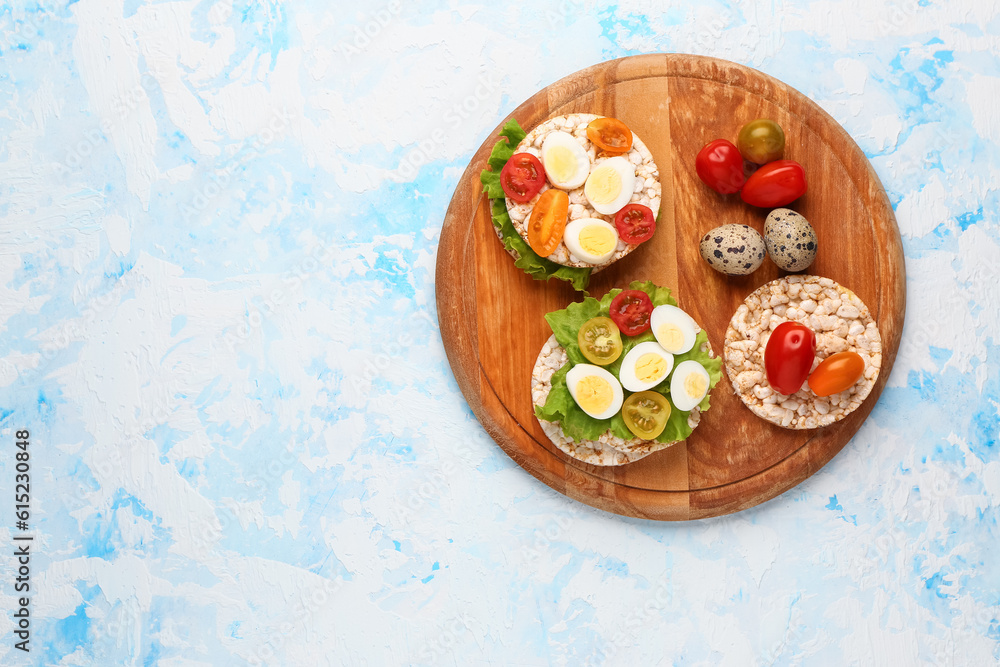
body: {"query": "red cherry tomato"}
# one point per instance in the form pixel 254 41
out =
pixel 522 177
pixel 788 356
pixel 775 184
pixel 635 223
pixel 631 310
pixel 836 373
pixel 720 165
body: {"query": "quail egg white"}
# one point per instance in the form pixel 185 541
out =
pixel 610 184
pixel 566 163
pixel 595 390
pixel 645 366
pixel 591 240
pixel 688 385
pixel 674 329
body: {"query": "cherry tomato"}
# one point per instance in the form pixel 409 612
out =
pixel 646 413
pixel 610 135
pixel 522 177
pixel 720 165
pixel 775 184
pixel 836 373
pixel 761 141
pixel 600 341
pixel 548 221
pixel 788 356
pixel 630 310
pixel 635 223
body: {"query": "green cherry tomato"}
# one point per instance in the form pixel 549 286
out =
pixel 761 141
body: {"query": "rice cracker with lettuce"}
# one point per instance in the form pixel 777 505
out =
pixel 573 196
pixel 622 376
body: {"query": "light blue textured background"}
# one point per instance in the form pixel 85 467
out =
pixel 218 224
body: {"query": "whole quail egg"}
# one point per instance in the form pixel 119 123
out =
pixel 736 250
pixel 791 240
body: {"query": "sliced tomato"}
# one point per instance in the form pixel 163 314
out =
pixel 522 177
pixel 631 310
pixel 600 341
pixel 635 223
pixel 610 135
pixel 646 413
pixel 548 221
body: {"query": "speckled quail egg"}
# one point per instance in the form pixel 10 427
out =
pixel 791 240
pixel 736 250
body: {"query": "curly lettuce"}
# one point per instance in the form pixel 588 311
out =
pixel 560 405
pixel 528 260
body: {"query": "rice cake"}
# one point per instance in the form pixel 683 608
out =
pixel 840 321
pixel 647 189
pixel 609 449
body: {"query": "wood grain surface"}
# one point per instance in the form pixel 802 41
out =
pixel 492 315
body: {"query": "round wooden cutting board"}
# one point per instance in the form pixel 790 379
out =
pixel 492 315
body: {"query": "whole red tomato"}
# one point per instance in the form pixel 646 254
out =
pixel 775 184
pixel 720 165
pixel 837 373
pixel 788 356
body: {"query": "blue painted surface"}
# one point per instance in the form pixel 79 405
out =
pixel 219 229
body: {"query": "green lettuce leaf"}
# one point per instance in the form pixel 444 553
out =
pixel 560 405
pixel 528 260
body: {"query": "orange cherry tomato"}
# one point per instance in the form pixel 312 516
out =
pixel 548 221
pixel 610 135
pixel 837 373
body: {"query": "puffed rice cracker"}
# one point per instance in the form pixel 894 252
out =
pixel 841 323
pixel 647 178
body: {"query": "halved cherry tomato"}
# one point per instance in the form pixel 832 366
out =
pixel 761 141
pixel 720 165
pixel 600 341
pixel 775 184
pixel 635 223
pixel 788 356
pixel 522 177
pixel 610 135
pixel 631 310
pixel 646 413
pixel 836 373
pixel 548 221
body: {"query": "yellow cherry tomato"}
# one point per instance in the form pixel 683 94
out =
pixel 646 413
pixel 600 340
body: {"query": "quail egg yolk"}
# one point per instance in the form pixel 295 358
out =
pixel 604 185
pixel 695 384
pixel 650 367
pixel 670 336
pixel 560 163
pixel 597 240
pixel 594 394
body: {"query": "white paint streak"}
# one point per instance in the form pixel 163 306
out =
pixel 107 58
